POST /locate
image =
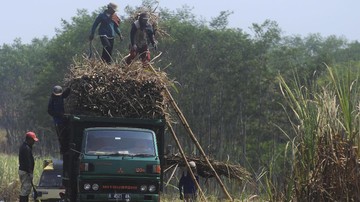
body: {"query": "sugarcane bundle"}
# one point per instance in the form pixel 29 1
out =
pixel 115 90
pixel 226 169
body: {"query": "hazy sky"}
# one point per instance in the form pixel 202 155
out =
pixel 27 19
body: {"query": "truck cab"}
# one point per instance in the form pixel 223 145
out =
pixel 114 159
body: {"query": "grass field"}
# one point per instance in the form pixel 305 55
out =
pixel 9 178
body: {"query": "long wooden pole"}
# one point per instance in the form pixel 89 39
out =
pixel 191 134
pixel 186 162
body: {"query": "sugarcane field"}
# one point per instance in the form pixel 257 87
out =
pixel 141 103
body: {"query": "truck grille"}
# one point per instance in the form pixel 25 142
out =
pixel 119 185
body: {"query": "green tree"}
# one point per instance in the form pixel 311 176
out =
pixel 18 68
pixel 221 22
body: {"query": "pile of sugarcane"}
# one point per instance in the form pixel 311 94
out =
pixel 115 90
pixel 225 169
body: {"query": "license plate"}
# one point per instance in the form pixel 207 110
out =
pixel 116 196
pixel 119 196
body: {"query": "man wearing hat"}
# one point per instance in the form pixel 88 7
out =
pixel 187 184
pixel 56 110
pixel 109 26
pixel 26 165
pixel 141 34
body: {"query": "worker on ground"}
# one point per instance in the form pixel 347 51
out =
pixel 187 186
pixel 141 34
pixel 26 166
pixel 109 26
pixel 56 110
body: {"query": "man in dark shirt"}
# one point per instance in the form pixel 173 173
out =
pixel 26 165
pixel 187 184
pixel 56 110
pixel 141 34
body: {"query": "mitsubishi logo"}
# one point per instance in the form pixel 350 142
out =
pixel 120 170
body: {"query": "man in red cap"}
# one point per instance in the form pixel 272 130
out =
pixel 26 165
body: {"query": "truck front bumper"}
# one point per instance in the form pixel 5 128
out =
pixel 97 197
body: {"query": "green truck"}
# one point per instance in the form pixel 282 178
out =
pixel 114 159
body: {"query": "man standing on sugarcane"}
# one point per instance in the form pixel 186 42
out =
pixel 141 34
pixel 109 26
pixel 26 166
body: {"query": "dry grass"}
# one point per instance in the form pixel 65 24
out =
pixel 9 178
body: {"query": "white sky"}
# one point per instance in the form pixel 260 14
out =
pixel 28 19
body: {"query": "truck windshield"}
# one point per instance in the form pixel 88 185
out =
pixel 120 142
pixel 50 178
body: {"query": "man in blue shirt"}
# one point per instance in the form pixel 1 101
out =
pixel 188 185
pixel 109 26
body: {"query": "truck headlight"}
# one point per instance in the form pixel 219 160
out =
pixel 143 188
pixel 87 186
pixel 152 188
pixel 95 187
